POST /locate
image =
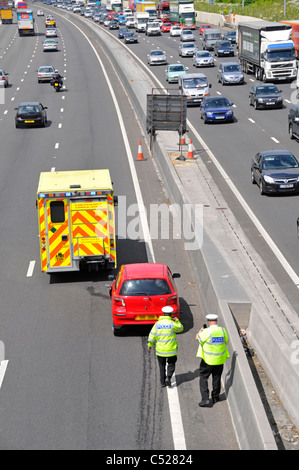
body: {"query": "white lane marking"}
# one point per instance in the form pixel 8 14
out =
pixel 59 125
pixel 53 168
pixel 3 367
pixel 173 399
pixel 251 120
pixel 176 416
pixel 287 101
pixel 57 145
pixel 61 110
pixel 30 268
pixel 275 140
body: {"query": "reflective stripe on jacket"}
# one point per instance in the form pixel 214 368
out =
pixel 212 345
pixel 163 334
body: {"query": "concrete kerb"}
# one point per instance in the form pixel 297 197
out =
pixel 248 414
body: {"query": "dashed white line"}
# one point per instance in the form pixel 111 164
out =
pixel 30 268
pixel 275 140
pixel 60 125
pixel 57 145
pixel 251 120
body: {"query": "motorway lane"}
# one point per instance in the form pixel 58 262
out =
pixel 238 142
pixel 69 384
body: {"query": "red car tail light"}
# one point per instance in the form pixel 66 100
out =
pixel 172 300
pixel 3 78
pixel 119 302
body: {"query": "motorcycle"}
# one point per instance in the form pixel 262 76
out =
pixel 57 84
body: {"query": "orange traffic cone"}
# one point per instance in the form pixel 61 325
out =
pixel 182 139
pixel 190 150
pixel 140 154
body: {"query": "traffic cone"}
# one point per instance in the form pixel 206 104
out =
pixel 140 154
pixel 190 150
pixel 182 139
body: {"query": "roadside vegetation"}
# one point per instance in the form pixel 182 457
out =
pixel 271 10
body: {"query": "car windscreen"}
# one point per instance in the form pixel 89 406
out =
pixel 197 82
pixel 157 53
pixel 203 54
pixel 267 90
pixel 177 68
pixel 224 44
pixel 280 162
pixel 217 103
pixel 145 287
pixel 231 68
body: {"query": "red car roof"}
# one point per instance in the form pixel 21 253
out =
pixel 145 270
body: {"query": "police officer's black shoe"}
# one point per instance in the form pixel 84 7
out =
pixel 215 399
pixel 204 403
pixel 167 382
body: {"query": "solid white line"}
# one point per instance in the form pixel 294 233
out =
pixel 3 367
pixel 176 417
pixel 30 268
pixel 174 405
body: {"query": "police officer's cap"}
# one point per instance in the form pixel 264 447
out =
pixel 212 317
pixel 167 310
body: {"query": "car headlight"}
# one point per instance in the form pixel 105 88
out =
pixel 209 114
pixel 260 100
pixel 268 179
pixel 229 112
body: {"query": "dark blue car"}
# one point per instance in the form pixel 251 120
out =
pixel 122 31
pixel 224 48
pixel 216 109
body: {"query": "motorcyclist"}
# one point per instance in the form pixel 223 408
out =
pixel 56 77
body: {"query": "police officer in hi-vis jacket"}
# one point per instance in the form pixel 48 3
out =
pixel 213 352
pixel 163 334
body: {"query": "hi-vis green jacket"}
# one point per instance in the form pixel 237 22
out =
pixel 163 333
pixel 212 345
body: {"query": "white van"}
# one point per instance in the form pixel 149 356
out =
pixel 195 86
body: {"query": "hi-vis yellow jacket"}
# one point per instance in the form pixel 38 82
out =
pixel 163 333
pixel 212 345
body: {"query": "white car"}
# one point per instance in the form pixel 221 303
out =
pixel 39 13
pixel 130 22
pixel 175 30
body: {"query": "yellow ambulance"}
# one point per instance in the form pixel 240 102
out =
pixel 76 220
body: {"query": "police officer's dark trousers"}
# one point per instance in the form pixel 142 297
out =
pixel 170 361
pixel 205 370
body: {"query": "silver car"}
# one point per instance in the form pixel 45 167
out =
pixel 156 57
pixel 187 35
pixel 51 33
pixel 50 45
pixel 45 73
pixel 203 59
pixel 230 73
pixel 3 79
pixel 187 49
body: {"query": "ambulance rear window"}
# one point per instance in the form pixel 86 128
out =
pixel 57 212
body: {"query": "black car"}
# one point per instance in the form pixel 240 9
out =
pixel 122 32
pixel 113 25
pixel 265 96
pixel 293 120
pixel 223 48
pixel 131 37
pixel 230 36
pixel 275 171
pixel 31 114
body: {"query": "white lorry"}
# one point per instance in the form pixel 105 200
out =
pixel 140 20
pixel 267 50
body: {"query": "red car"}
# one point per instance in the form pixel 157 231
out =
pixel 166 27
pixel 204 26
pixel 139 293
